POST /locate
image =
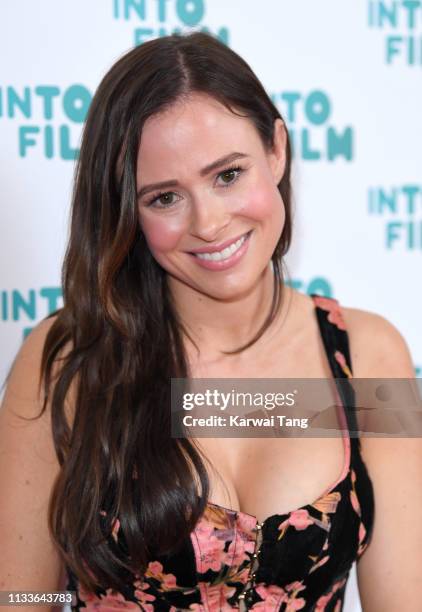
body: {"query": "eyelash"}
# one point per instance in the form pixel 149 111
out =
pixel 156 197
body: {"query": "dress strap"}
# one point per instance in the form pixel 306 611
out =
pixel 336 343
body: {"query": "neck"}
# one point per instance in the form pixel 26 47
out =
pixel 216 325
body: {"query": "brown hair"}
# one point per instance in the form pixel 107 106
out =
pixel 118 458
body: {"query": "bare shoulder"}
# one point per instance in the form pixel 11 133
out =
pixel 24 373
pixel 28 470
pixel 394 464
pixel 377 347
pixel 23 380
pixel 379 350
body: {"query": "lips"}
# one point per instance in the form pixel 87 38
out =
pixel 221 246
pixel 227 258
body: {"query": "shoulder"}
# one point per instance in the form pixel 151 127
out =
pixel 24 393
pixel 394 464
pixel 20 411
pixel 377 347
pixel 24 372
pixel 28 470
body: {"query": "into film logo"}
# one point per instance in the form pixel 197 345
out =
pixel 399 209
pixel 28 306
pixel 401 23
pixel 158 18
pixel 49 120
pixel 312 133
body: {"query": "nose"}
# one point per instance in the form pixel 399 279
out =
pixel 209 218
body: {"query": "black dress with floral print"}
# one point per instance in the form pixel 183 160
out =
pixel 299 560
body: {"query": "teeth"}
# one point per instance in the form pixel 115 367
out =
pixel 225 253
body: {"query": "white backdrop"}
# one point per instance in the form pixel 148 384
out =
pixel 346 77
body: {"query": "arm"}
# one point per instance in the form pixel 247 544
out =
pixel 28 468
pixel 389 570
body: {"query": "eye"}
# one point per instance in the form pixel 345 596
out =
pixel 230 172
pixel 164 199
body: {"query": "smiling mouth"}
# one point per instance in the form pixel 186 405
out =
pixel 224 253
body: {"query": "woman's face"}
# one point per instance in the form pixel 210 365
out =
pixel 219 193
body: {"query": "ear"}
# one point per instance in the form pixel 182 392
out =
pixel 277 155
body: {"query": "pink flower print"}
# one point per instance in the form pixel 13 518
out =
pixel 333 307
pixel 204 528
pixel 295 604
pixel 246 522
pixel 319 563
pixel 355 501
pixel 362 533
pixel 211 552
pixel 292 603
pixel 295 586
pixel 85 595
pixel 144 598
pixel 111 602
pixel 336 317
pixel 156 570
pixel 237 550
pixel 340 358
pixel 325 599
pixel 357 508
pixel 353 496
pixel 299 519
pixel 215 596
pixel 272 597
pixel 240 576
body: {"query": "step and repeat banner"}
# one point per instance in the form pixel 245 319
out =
pixel 346 77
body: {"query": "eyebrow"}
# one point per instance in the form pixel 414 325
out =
pixel 203 172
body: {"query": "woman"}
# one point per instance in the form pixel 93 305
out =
pixel 181 216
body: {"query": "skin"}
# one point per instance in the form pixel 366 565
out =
pixel 221 308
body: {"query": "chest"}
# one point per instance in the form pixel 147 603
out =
pixel 264 476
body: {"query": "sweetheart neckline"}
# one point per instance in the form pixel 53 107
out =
pixel 282 514
pixel 346 469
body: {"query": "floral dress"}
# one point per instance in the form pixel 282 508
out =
pixel 298 560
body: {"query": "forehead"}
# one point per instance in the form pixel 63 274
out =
pixel 195 130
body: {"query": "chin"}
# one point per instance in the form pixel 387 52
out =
pixel 228 289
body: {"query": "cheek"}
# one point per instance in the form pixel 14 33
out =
pixel 162 234
pixel 263 202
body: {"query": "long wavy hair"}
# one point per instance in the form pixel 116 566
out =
pixel 118 339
